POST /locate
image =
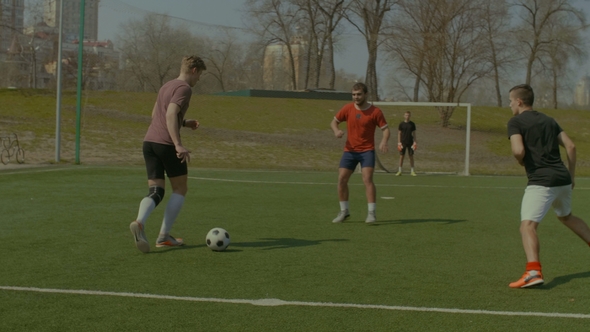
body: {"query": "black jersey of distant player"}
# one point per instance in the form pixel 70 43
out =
pixel 542 159
pixel 407 128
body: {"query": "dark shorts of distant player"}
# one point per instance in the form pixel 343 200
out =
pixel 351 159
pixel 160 158
pixel 407 147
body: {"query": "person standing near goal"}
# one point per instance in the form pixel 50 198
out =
pixel 535 139
pixel 406 141
pixel 164 153
pixel 361 119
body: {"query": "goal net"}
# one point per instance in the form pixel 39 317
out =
pixel 443 150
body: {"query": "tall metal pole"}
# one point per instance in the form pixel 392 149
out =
pixel 58 103
pixel 79 95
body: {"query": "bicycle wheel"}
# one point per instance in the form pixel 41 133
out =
pixel 5 156
pixel 20 156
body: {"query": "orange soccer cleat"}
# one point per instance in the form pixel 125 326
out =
pixel 528 279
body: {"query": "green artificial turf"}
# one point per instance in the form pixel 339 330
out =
pixel 441 242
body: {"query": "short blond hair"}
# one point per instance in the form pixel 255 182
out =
pixel 192 61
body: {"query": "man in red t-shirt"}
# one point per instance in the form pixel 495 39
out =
pixel 361 119
pixel 164 153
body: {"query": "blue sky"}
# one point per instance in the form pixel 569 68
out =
pixel 113 13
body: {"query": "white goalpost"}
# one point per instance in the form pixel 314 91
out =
pixel 393 129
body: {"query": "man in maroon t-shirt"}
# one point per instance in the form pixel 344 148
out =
pixel 164 153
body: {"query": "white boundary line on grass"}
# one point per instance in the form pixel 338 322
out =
pixel 278 302
pixel 353 184
pixel 43 170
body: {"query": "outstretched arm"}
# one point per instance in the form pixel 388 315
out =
pixel 570 149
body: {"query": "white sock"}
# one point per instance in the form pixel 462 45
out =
pixel 372 206
pixel 412 169
pixel 400 169
pixel 146 206
pixel 172 210
pixel 343 205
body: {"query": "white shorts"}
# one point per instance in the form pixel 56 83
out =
pixel 537 200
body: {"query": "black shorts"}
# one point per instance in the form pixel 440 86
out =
pixel 407 147
pixel 161 157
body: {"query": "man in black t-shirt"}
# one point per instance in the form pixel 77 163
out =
pixel 406 141
pixel 535 139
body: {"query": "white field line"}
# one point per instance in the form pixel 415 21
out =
pixel 44 170
pixel 278 302
pixel 353 184
pixel 35 170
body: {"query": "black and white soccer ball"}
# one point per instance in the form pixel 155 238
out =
pixel 217 239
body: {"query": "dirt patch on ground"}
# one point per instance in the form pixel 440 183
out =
pixel 439 149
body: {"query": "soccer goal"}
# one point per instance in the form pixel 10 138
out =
pixel 440 150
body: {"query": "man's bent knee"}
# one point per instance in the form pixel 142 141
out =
pixel 156 194
pixel 565 219
pixel 528 225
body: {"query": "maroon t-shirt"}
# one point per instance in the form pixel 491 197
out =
pixel 177 92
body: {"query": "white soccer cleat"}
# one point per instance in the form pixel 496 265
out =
pixel 371 217
pixel 141 241
pixel 342 215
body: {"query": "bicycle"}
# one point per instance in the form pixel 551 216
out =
pixel 10 147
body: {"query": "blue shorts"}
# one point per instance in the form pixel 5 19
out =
pixel 351 159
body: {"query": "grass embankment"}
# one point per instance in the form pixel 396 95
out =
pixel 260 133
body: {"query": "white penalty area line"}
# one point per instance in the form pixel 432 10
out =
pixel 278 302
pixel 351 184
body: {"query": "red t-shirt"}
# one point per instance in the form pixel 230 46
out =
pixel 178 92
pixel 361 126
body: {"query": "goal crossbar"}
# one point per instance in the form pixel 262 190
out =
pixel 434 104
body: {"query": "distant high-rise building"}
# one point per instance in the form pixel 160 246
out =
pixel 12 22
pixel 582 92
pixel 71 17
pixel 277 71
pixel 305 72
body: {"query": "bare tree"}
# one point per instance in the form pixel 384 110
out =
pixel 413 38
pixel 252 65
pixel 534 30
pixel 276 21
pixel 312 22
pixel 26 40
pixel 90 65
pixel 333 12
pixel 500 39
pixel 223 56
pixel 372 14
pixel 567 46
pixel 151 49
pixel 443 44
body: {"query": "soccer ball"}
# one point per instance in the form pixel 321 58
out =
pixel 217 239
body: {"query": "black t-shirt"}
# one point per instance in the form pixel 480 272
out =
pixel 542 160
pixel 407 128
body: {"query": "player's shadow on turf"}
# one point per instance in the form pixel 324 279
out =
pixel 282 243
pixel 565 279
pixel 165 250
pixel 415 221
